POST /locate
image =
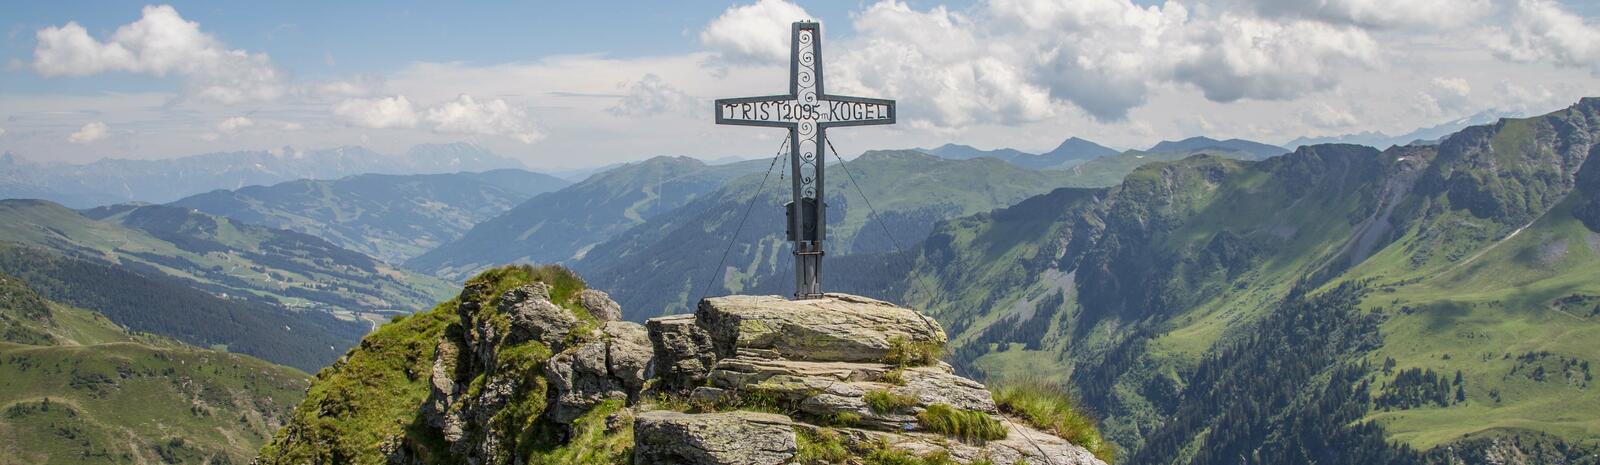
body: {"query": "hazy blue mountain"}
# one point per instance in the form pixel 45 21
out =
pixel 1071 152
pixel 1427 135
pixel 158 181
pixel 561 226
pixel 390 217
pixel 967 152
pixel 1256 150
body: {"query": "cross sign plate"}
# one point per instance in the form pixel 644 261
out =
pixel 807 111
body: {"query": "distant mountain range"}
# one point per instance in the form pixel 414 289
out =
pixel 1075 151
pixel 1426 136
pixel 562 226
pixel 111 181
pixel 1071 152
pixel 390 217
pixel 1255 150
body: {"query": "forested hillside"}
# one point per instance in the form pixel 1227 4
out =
pixel 662 266
pixel 562 226
pixel 174 308
pixel 76 388
pixel 222 256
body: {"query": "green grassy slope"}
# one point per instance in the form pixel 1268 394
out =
pixel 391 218
pixel 1472 256
pixel 90 392
pixel 221 255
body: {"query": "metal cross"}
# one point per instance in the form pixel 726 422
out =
pixel 807 112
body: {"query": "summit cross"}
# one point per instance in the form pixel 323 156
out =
pixel 807 112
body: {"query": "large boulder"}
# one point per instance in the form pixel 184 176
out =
pixel 600 305
pixel 730 438
pixel 534 317
pixel 837 327
pixel 1022 444
pixel 683 352
pixel 612 367
pixel 826 389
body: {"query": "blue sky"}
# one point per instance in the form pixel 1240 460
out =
pixel 567 84
pixel 378 37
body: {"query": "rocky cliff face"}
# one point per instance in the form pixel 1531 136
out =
pixel 528 367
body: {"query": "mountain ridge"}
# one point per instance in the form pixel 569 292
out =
pixel 110 181
pixel 390 217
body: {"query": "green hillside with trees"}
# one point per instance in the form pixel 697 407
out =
pixel 76 388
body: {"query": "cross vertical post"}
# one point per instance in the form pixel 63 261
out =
pixel 807 112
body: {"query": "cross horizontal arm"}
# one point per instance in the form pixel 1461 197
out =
pixel 787 111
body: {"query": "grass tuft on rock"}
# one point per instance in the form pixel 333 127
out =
pixel 904 352
pixel 1049 407
pixel 966 425
pixel 888 402
pixel 591 442
pixel 820 446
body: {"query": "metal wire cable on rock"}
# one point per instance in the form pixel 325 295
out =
pixel 749 205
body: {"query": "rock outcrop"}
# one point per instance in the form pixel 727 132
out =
pixel 838 364
pixel 490 363
pixel 839 327
pixel 527 367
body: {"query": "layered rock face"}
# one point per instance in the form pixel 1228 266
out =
pixel 844 364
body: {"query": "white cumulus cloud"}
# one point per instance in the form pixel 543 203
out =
pixel 757 33
pixel 466 115
pixel 91 132
pixel 1013 61
pixel 652 95
pixel 378 113
pixel 938 66
pixel 1321 115
pixel 1544 31
pixel 1377 13
pixel 1235 57
pixel 160 43
pixel 234 124
pixel 463 115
